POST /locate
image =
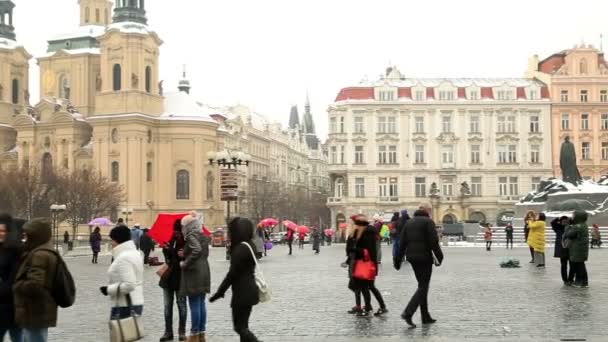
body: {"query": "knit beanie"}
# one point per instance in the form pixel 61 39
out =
pixel 120 234
pixel 189 218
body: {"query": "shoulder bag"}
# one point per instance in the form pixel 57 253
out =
pixel 365 269
pixel 127 329
pixel 264 292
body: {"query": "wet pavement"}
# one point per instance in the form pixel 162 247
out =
pixel 472 298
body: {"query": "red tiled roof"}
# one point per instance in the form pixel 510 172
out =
pixel 356 93
pixel 521 93
pixel 462 93
pixel 430 93
pixel 486 93
pixel 405 93
pixel 544 92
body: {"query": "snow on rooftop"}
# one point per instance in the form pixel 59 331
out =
pixel 130 27
pixel 181 106
pixel 8 44
pixel 93 31
pixel 92 51
pixel 457 82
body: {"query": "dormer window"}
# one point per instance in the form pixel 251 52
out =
pixel 446 95
pixel 420 95
pixel 386 95
pixel 504 94
pixel 474 94
pixel 533 94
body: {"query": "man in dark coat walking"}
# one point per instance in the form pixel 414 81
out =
pixel 420 246
pixel 10 250
pixel 559 227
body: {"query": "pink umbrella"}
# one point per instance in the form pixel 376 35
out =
pixel 269 222
pixel 329 232
pixel 290 225
pixel 303 230
pixel 100 221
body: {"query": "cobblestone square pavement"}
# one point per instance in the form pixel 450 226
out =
pixel 472 298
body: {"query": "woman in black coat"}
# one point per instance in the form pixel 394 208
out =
pixel 241 277
pixel 559 227
pixel 10 251
pixel 170 283
pixel 364 239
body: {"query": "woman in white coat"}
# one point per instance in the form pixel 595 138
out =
pixel 126 273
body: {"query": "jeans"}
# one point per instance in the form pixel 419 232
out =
pixel 16 334
pixel 35 335
pixel 396 242
pixel 379 249
pixel 169 297
pixel 198 314
pixel 240 320
pixel 580 271
pixel 423 272
pixel 124 311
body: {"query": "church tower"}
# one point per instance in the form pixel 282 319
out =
pixel 95 12
pixel 129 81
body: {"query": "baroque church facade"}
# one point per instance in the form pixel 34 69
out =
pixel 102 107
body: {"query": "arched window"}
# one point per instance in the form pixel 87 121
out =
pixel 47 166
pixel 148 79
pixel 114 171
pixel 583 67
pixel 182 185
pixel 117 77
pixel 97 15
pixel 210 185
pixel 149 172
pixel 449 219
pixel 478 217
pixel 339 188
pixel 15 91
pixel 87 15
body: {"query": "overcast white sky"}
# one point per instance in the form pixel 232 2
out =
pixel 268 53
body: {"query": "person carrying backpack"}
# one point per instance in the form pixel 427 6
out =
pixel 42 283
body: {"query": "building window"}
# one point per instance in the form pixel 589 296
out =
pixel 510 124
pixel 359 155
pixel 211 185
pixel 534 124
pixel 342 156
pixel 475 154
pixel 382 157
pixel 386 95
pixel 603 95
pixel 47 166
pixel 419 123
pixel 565 121
pixel 359 124
pixel 584 121
pixel 392 154
pixel 382 124
pixel 446 95
pixel 535 183
pixel 339 188
pixel 149 172
pixel 359 187
pixel 114 171
pixel 333 155
pixel 419 154
pixel 584 96
pixel 87 15
pixel 535 153
pixel 447 188
pixel 333 127
pixel 420 95
pixel 586 150
pixel 533 94
pixel 508 186
pixel 97 15
pixel 474 124
pixel 604 121
pixel 388 189
pixel 15 91
pixel 117 77
pixel 446 124
pixel 604 150
pixel 476 186
pixel 392 124
pixel 502 124
pixel 564 96
pixel 148 79
pixel 447 156
pixel 420 186
pixel 504 94
pixel 182 185
pixel 507 154
pixel 473 95
pixel 583 66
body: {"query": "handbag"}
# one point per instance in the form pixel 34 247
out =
pixel 365 269
pixel 264 292
pixel 127 329
pixel 163 271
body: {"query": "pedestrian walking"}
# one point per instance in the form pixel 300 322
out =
pixel 136 234
pixel 66 237
pixel 241 278
pixel 301 238
pixel 399 228
pixel 196 275
pixel 289 238
pixel 35 306
pixel 316 240
pixel 95 243
pixel 364 254
pixel 577 234
pixel 10 252
pixel 530 216
pixel 146 244
pixel 173 252
pixel 392 235
pixel 377 228
pixel 125 276
pixel 560 250
pixel 509 235
pixel 596 236
pixel 536 239
pixel 487 236
pixel 420 246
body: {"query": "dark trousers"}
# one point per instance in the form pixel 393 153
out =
pixel 423 272
pixel 146 256
pixel 301 245
pixel 377 295
pixel 240 320
pixel 532 253
pixel 566 277
pixel 488 245
pixel 121 312
pixel 366 297
pixel 95 255
pixel 510 240
pixel 290 243
pixel 580 272
pixel 171 296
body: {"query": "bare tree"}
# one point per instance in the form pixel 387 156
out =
pixel 26 193
pixel 263 198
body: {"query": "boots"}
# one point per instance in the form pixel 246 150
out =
pixel 202 338
pixel 192 338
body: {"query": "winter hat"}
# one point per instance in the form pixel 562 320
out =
pixel 120 234
pixel 38 232
pixel 192 216
pixel 360 220
pixel 376 217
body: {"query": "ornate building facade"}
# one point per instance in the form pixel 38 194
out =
pixel 578 79
pixel 469 147
pixel 103 108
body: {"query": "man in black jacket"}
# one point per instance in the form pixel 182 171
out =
pixel 418 243
pixel 10 252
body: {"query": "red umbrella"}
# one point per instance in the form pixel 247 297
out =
pixel 329 232
pixel 343 225
pixel 290 225
pixel 162 229
pixel 303 230
pixel 269 222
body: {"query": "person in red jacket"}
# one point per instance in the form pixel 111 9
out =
pixel 289 239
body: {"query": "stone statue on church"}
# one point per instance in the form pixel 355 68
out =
pixel 160 88
pixel 98 83
pixel 465 190
pixel 567 162
pixel 434 190
pixel 134 80
pixel 26 96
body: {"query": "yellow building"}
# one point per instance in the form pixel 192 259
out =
pixel 102 107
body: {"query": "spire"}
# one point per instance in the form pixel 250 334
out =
pixel 7 30
pixel 184 83
pixel 130 11
pixel 294 118
pixel 309 124
pixel 307 105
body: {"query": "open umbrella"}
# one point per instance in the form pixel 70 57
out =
pixel 328 232
pixel 343 225
pixel 303 230
pixel 100 221
pixel 290 225
pixel 162 229
pixel 269 222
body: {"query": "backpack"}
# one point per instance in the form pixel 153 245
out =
pixel 64 288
